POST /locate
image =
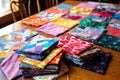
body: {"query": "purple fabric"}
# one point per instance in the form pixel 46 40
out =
pixel 87 5
pixel 10 66
pixel 52 29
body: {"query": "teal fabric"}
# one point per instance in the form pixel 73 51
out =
pixel 109 41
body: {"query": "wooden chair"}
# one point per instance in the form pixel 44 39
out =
pixel 21 9
pixel 50 3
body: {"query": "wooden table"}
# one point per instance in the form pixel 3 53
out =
pixel 76 73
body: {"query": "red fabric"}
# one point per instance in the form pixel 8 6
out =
pixel 73 45
pixel 113 31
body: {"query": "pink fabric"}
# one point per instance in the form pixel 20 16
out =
pixel 73 45
pixel 52 29
pixel 10 66
pixel 87 5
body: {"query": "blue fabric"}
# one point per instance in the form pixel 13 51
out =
pixel 116 16
pixel 64 6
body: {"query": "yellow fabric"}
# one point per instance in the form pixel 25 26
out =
pixel 3 54
pixel 65 23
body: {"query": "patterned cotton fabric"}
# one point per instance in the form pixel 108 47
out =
pixel 65 23
pixel 57 11
pixel 87 5
pixel 41 64
pixel 73 45
pixel 87 33
pixel 109 41
pixel 90 23
pixel 34 21
pixel 52 29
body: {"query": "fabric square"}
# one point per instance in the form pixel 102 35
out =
pixel 57 11
pixel 52 29
pixel 87 5
pixel 116 16
pixel 48 16
pixel 90 23
pixel 83 11
pixel 41 64
pixel 65 23
pixel 113 31
pixel 64 6
pixel 34 21
pixel 99 18
pixel 12 70
pixel 109 41
pixel 73 45
pixel 99 64
pixel 106 8
pixel 102 13
pixel 87 33
pixel 74 16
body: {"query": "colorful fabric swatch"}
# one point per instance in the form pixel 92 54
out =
pixel 108 8
pixel 113 31
pixel 39 46
pixel 109 41
pixel 102 13
pixel 74 16
pixel 73 45
pixel 34 21
pixel 65 23
pixel 64 6
pixel 48 16
pixel 83 11
pixel 90 23
pixel 12 70
pixel 87 5
pixel 99 18
pixel 87 33
pixel 41 64
pixel 57 11
pixel 52 29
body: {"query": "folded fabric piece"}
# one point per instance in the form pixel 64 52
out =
pixel 84 57
pixel 106 8
pixel 63 69
pixel 74 16
pixel 41 64
pixel 87 5
pixel 90 23
pixel 65 23
pixel 109 41
pixel 113 31
pixel 38 47
pixel 2 75
pixel 57 11
pixel 10 66
pixel 80 10
pixel 116 16
pixel 115 21
pixel 52 29
pixel 73 45
pixel 64 6
pixel 99 18
pixel 100 63
pixel 34 21
pixel 87 33
pixel 102 13
pixel 48 16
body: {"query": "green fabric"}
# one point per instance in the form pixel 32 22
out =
pixel 90 23
pixel 110 41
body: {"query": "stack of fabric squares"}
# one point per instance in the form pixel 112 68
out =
pixel 84 54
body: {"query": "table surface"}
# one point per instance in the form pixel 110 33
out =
pixel 112 73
